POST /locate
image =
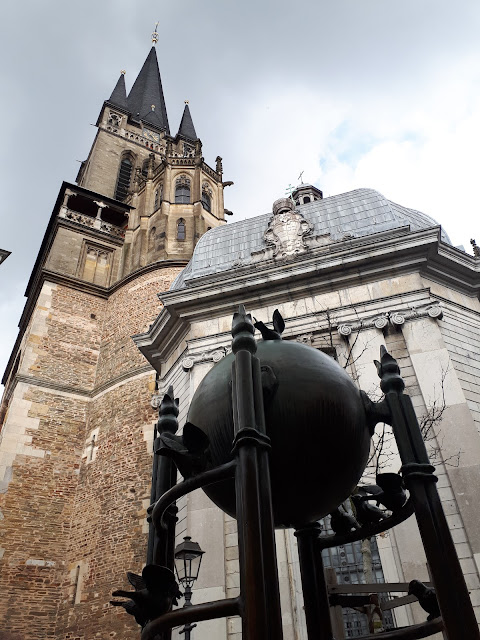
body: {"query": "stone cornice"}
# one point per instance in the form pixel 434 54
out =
pixel 336 266
pixel 391 318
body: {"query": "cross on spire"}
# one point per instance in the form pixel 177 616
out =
pixel 155 34
pixel 289 190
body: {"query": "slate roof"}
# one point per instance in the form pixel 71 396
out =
pixel 186 128
pixel 147 91
pixel 359 213
pixel 119 94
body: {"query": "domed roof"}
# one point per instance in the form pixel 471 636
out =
pixel 356 213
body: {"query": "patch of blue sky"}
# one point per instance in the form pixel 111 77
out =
pixel 350 144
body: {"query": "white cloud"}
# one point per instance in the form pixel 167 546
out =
pixel 356 94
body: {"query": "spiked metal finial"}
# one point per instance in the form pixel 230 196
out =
pixel 167 413
pixel 123 72
pixel 389 372
pixel 242 331
pixel 155 34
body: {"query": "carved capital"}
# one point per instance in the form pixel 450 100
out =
pixel 214 355
pixel 394 318
pixel 345 330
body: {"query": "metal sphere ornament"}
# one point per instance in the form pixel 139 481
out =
pixel 315 419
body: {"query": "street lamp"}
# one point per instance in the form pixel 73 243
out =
pixel 188 557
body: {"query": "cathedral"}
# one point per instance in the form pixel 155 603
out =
pixel 133 291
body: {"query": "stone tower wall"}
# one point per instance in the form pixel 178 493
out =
pixel 74 510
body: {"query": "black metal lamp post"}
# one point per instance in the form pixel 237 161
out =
pixel 188 558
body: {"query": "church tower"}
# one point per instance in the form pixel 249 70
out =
pixel 76 418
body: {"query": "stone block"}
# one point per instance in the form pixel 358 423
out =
pixel 206 528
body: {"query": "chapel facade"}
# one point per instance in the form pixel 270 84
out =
pixel 349 274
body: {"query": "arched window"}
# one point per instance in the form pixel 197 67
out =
pixel 123 180
pixel 158 197
pixel 306 199
pixel 182 191
pixel 206 201
pixel 181 229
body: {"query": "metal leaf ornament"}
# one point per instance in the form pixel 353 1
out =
pixel 156 590
pixel 426 597
pixel 278 327
pixel 189 451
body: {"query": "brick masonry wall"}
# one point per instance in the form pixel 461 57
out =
pixel 73 514
pixel 37 508
pixel 131 309
pixel 107 535
pixel 62 341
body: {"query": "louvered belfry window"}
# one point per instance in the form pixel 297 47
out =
pixel 123 181
pixel 182 191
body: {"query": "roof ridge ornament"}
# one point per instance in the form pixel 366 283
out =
pixel 287 232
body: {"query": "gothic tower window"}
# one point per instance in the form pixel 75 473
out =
pixel 182 190
pixel 151 242
pixel 123 180
pixel 158 197
pixel 181 229
pixel 206 197
pixel 206 201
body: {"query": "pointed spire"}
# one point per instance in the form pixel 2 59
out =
pixel 145 100
pixel 119 94
pixel 186 128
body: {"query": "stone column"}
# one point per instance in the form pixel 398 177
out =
pixel 98 220
pixel 64 207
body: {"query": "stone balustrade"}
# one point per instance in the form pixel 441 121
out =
pixel 94 223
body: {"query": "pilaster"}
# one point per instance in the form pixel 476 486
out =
pixel 439 383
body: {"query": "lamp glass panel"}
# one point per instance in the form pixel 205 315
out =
pixel 195 565
pixel 180 567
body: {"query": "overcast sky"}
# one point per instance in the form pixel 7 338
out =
pixel 356 93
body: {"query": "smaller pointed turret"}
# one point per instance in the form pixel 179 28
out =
pixel 186 129
pixel 119 94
